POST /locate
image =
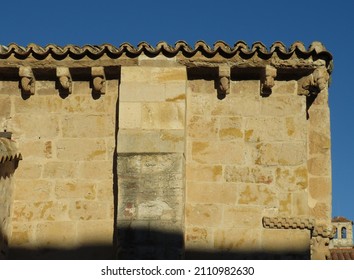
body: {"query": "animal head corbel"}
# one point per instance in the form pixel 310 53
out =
pixel 64 77
pixel 314 83
pixel 98 79
pixel 267 80
pixel 224 79
pixel 27 80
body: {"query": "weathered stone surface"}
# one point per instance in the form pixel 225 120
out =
pixel 204 173
pixel 291 179
pixel 248 175
pixel 281 154
pixel 95 170
pixel 280 240
pixel 89 210
pixel 94 232
pixel 225 152
pixel 231 128
pixel 242 217
pixel 319 189
pixel 250 194
pixel 26 126
pixel 203 215
pixel 199 238
pixel 319 165
pixel 90 149
pixel 284 87
pixel 130 115
pixel 22 235
pixel 60 169
pixel 200 192
pixel 246 88
pixel 31 189
pixel 56 234
pixel 153 74
pixel 75 189
pixel 201 86
pixel 37 149
pixel 40 211
pixel 203 127
pixel 88 126
pixel 167 115
pixel 5 108
pixel 319 142
pixel 236 106
pixel 283 106
pixel 238 240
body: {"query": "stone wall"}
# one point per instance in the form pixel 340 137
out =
pixel 9 158
pixel 151 162
pixel 63 194
pixel 169 152
pixel 246 159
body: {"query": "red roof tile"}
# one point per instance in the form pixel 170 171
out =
pixel 342 254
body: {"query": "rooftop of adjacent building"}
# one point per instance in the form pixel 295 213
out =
pixel 341 219
pixel 343 243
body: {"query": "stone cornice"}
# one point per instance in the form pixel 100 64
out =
pixel 298 223
pixel 240 54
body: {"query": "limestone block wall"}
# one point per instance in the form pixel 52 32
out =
pixel 63 189
pixel 151 162
pixel 247 158
pixel 6 191
pixel 169 151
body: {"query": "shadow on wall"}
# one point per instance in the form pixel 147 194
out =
pixel 7 169
pixel 146 244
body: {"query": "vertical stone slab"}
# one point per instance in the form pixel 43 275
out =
pixel 151 163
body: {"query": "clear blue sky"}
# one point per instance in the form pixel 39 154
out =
pixel 96 22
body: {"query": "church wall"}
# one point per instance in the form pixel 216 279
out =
pixel 63 194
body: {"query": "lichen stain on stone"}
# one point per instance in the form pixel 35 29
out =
pixel 170 137
pixel 95 154
pixel 179 97
pixel 199 147
pixel 46 206
pixel 247 196
pixel 290 126
pixel 284 205
pixel 48 149
pixel 231 132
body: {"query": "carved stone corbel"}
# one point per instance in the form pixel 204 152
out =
pixel 320 238
pixel 224 79
pixel 267 79
pixel 64 77
pixel 320 248
pixel 313 83
pixel 27 79
pixel 98 79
